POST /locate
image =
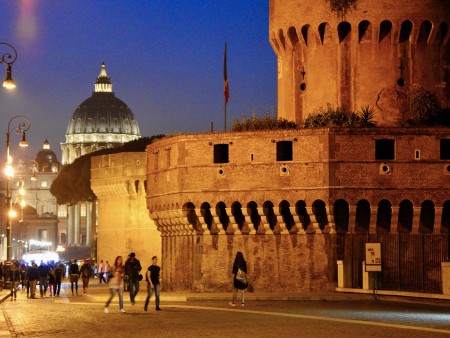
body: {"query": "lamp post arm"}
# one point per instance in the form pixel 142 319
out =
pixel 7 57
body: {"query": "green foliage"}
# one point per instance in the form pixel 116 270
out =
pixel 337 117
pixel 423 107
pixel 367 116
pixel 266 123
pixel 341 7
pixel 73 184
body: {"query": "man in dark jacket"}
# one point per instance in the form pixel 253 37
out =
pixel 43 274
pixel 58 272
pixel 132 269
pixel 33 276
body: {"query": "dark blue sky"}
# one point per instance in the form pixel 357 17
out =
pixel 165 60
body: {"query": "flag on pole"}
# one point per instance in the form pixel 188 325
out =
pixel 226 90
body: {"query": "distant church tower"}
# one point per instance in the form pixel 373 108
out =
pixel 372 57
pixel 101 121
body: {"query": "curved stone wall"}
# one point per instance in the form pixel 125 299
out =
pixel 373 56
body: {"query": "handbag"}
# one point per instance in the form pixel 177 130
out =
pixel 241 276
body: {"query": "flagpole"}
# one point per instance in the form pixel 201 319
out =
pixel 226 92
pixel 225 116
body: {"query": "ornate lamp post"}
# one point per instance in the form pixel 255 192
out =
pixel 23 126
pixel 9 59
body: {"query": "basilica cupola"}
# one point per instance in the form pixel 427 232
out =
pixel 101 121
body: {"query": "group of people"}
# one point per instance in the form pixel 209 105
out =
pixel 48 275
pixel 131 272
pixel 120 276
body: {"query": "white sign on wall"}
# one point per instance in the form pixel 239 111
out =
pixel 373 257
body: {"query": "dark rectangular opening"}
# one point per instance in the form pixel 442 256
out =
pixel 445 149
pixel 221 153
pixel 284 151
pixel 384 149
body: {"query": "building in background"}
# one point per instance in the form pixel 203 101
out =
pixel 37 224
pixel 101 121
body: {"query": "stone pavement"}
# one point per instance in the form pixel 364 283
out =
pixel 98 293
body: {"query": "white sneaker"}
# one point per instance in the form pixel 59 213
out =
pixel 123 311
pixel 106 309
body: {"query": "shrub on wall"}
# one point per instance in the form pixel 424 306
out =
pixel 337 117
pixel 423 107
pixel 341 7
pixel 266 123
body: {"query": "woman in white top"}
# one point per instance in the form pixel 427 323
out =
pixel 116 283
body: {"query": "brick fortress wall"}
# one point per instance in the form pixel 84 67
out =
pixel 282 213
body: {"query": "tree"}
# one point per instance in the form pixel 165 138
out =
pixel 73 184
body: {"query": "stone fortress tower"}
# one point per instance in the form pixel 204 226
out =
pixel 373 56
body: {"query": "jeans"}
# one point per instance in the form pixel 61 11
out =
pixel 57 287
pixel 43 285
pixel 149 294
pixel 120 293
pixel 33 288
pixel 133 284
pixel 14 284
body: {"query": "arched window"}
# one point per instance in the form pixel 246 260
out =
pixel 205 211
pixel 405 31
pixel 319 210
pixel 385 30
pixel 270 214
pixel 362 216
pixel 292 35
pixel 341 216
pixel 344 29
pixel 236 211
pixel 445 223
pixel 426 224
pixel 384 216
pixel 300 210
pixel 285 212
pixel 364 31
pixel 424 32
pixel 222 213
pixel 252 210
pixel 405 216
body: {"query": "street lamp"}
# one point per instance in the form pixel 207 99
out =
pixel 23 126
pixel 9 59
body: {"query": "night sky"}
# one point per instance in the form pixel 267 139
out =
pixel 164 58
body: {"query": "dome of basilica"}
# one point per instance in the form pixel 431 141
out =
pixel 101 121
pixel 103 112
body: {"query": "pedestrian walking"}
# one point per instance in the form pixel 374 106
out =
pixel 14 277
pixel 58 274
pixel 116 283
pixel 74 274
pixel 132 269
pixel 153 279
pixel 51 281
pixel 43 271
pixel 240 281
pixel 85 272
pixel 100 272
pixel 106 272
pixel 33 276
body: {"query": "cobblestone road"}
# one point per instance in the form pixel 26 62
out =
pixel 83 316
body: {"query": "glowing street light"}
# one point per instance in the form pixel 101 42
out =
pixel 9 59
pixel 23 126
